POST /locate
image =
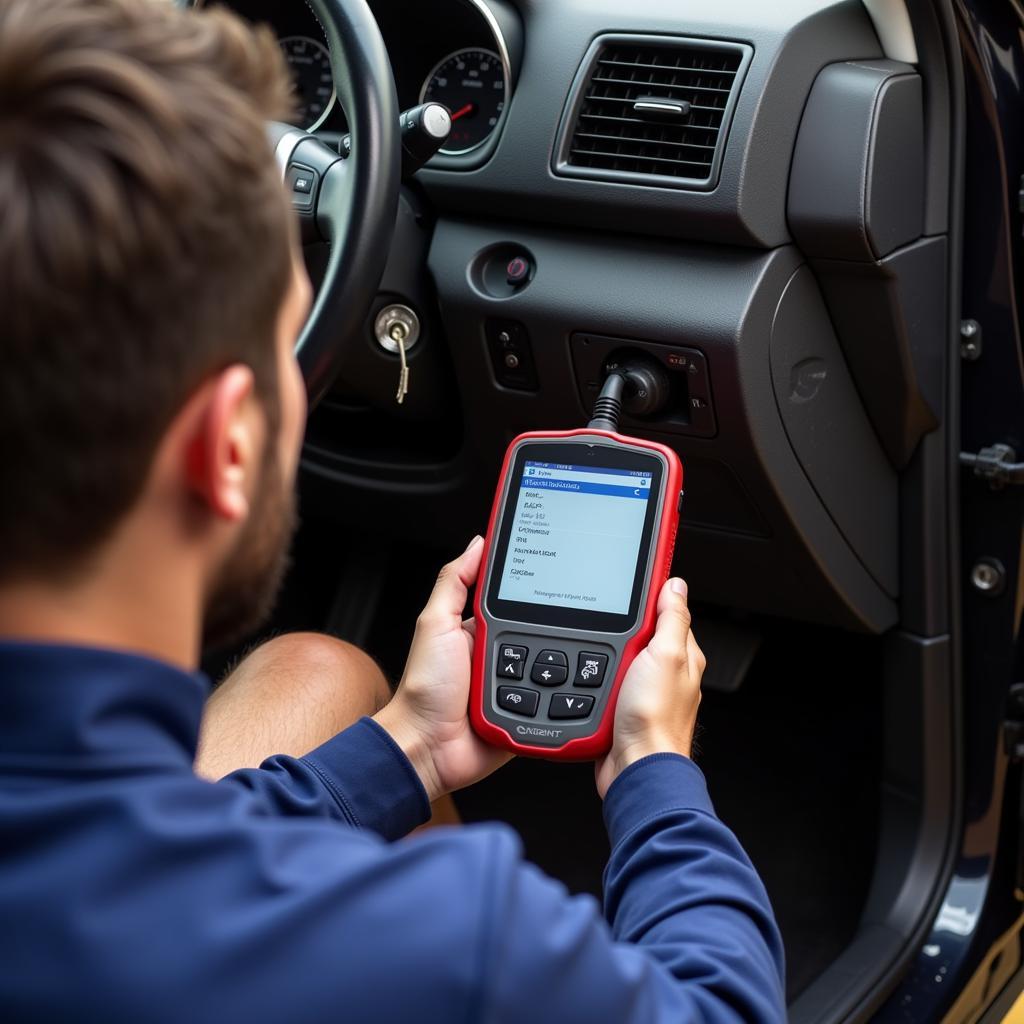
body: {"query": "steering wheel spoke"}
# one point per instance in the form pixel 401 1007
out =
pixel 316 179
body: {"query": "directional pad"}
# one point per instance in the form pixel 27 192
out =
pixel 551 668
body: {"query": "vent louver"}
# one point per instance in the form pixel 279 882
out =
pixel 652 109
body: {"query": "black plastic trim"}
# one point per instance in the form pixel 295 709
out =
pixel 856 191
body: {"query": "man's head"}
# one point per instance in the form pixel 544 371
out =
pixel 150 292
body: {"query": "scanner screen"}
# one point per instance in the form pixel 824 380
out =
pixel 576 536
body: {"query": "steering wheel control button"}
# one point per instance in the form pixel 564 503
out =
pixel 517 271
pixel 511 661
pixel 518 700
pixel 590 669
pixel 570 705
pixel 549 675
pixel 511 355
pixel 302 182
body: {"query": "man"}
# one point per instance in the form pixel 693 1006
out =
pixel 151 416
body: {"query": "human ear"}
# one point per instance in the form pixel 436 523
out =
pixel 223 450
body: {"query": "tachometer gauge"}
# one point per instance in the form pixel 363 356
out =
pixel 471 84
pixel 314 82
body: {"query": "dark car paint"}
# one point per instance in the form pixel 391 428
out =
pixel 973 950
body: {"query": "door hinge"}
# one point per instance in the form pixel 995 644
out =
pixel 997 464
pixel 1013 727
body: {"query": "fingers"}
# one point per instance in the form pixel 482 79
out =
pixel 671 635
pixel 660 694
pixel 443 611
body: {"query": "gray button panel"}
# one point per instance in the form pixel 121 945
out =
pixel 547 668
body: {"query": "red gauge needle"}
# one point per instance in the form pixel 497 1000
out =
pixel 463 111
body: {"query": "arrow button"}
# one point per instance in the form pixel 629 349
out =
pixel 553 658
pixel 548 674
pixel 570 705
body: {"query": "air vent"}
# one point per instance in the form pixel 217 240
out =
pixel 652 108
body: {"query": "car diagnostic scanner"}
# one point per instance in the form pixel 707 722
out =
pixel 579 543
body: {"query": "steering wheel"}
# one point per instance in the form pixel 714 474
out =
pixel 351 203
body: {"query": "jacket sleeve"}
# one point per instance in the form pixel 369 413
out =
pixel 689 936
pixel 359 777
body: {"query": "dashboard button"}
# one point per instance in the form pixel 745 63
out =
pixel 517 700
pixel 570 705
pixel 590 669
pixel 511 355
pixel 517 271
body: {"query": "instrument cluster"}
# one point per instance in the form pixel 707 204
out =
pixel 453 52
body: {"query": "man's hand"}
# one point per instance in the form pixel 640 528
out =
pixel 657 708
pixel 428 716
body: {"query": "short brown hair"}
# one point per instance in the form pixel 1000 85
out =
pixel 144 244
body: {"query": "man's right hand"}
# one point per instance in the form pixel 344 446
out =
pixel 658 700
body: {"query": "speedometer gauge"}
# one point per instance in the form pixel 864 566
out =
pixel 471 84
pixel 310 64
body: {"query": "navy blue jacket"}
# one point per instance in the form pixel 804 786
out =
pixel 132 891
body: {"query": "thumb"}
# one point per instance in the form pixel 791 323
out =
pixel 443 611
pixel 673 620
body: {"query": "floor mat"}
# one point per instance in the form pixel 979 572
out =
pixel 793 764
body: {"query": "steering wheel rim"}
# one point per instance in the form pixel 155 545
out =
pixel 357 201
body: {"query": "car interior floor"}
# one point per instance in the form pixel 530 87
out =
pixel 792 757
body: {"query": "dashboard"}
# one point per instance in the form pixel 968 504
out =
pixel 751 194
pixel 457 52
